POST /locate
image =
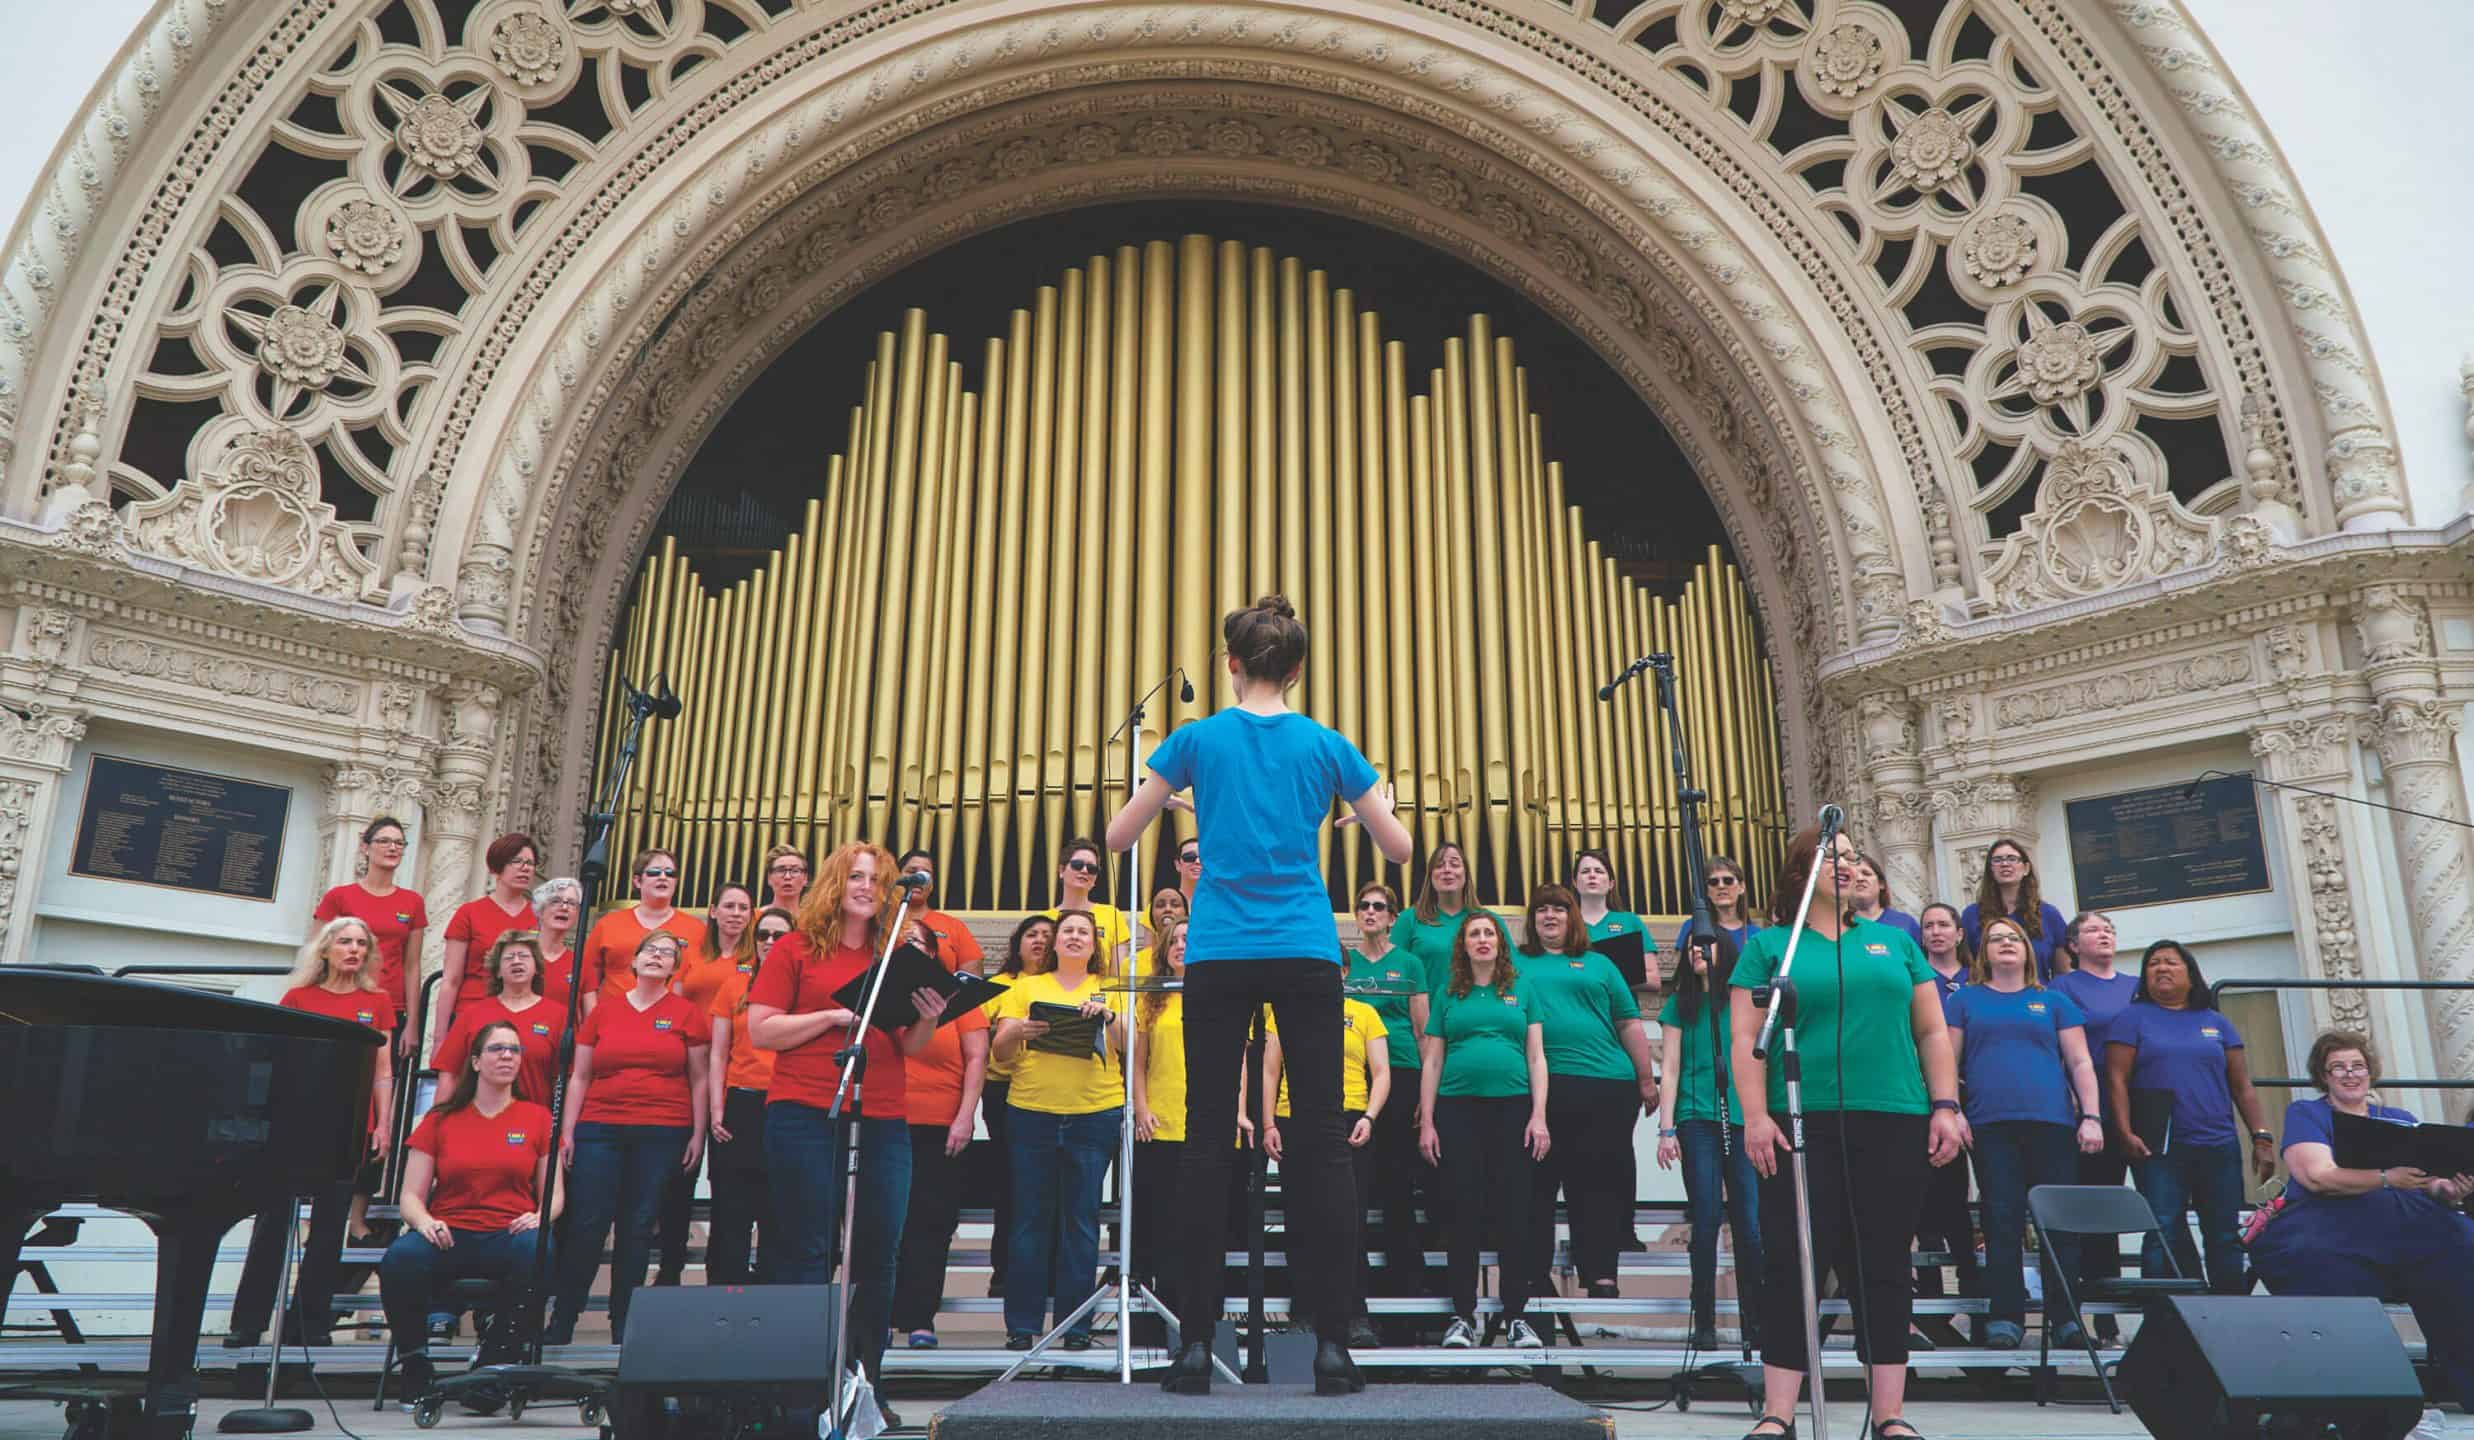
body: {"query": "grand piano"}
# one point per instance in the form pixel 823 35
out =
pixel 189 1110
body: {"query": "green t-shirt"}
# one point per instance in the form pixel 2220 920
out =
pixel 1577 1001
pixel 1398 969
pixel 1485 1036
pixel 1875 1014
pixel 1699 1059
pixel 1432 944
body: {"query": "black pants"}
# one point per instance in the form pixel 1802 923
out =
pixel 678 1197
pixel 1493 1179
pixel 1157 1241
pixel 1361 1194
pixel 1868 1172
pixel 1591 1163
pixel 1222 999
pixel 1401 1177
pixel 1943 1224
pixel 740 1195
pixel 321 1274
pixel 996 1177
pixel 928 1232
pixel 2100 1258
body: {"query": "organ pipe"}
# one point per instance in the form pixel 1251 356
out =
pixel 1003 555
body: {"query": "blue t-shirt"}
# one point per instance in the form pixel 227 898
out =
pixel 2101 1001
pixel 1949 985
pixel 2010 1054
pixel 2345 1224
pixel 1901 920
pixel 2053 922
pixel 1263 787
pixel 1736 935
pixel 2182 1051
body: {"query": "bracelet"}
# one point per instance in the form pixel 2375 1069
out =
pixel 1949 1105
pixel 2090 1120
pixel 1666 1134
pixel 2263 1135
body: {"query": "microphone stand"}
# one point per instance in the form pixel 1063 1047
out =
pixel 2191 791
pixel 853 1058
pixel 532 1377
pixel 1778 1023
pixel 1705 938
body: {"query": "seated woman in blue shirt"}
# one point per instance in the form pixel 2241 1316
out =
pixel 2169 1040
pixel 2371 1232
pixel 2031 1101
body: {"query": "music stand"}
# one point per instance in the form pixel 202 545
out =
pixel 1126 1293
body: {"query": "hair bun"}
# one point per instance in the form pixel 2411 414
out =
pixel 1277 605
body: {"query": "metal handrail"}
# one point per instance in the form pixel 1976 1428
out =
pixel 2216 994
pixel 127 971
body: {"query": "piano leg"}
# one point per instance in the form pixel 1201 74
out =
pixel 185 1247
pixel 14 1223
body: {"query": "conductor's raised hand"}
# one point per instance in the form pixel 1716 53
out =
pixel 1382 792
pixel 1763 1145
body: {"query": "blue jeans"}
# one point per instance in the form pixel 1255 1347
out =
pixel 2422 1252
pixel 412 1280
pixel 617 1177
pixel 1706 1174
pixel 1059 1162
pixel 2012 1158
pixel 2206 1178
pixel 807 1160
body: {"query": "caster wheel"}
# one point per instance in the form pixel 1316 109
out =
pixel 425 1414
pixel 588 1410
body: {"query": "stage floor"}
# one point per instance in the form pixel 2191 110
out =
pixel 1976 1420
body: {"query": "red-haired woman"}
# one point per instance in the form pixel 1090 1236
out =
pixel 792 1012
pixel 476 924
pixel 476 1171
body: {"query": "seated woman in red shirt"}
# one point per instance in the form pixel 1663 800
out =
pixel 475 1170
pixel 636 1111
pixel 514 997
pixel 336 975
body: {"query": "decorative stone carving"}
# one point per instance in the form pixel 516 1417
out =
pixel 224 675
pixel 2097 695
pixel 2362 475
pixel 438 135
pixel 1992 803
pixel 529 47
pixel 256 515
pixel 2000 248
pixel 1957 714
pixel 366 236
pixel 1844 60
pixel 1888 728
pixel 2415 732
pixel 92 529
pixel 2098 525
pixel 17 798
pixel 45 739
pixel 2289 653
pixel 2303 748
pixel 2392 625
pixel 1902 831
pixel 2332 907
pixel 46 632
pixel 1933 147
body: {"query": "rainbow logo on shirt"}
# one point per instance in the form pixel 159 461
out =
pixel 366 1017
pixel 1875 947
pixel 661 1024
pixel 2209 1031
pixel 2035 1007
pixel 518 1137
pixel 403 917
pixel 1510 999
pixel 541 1027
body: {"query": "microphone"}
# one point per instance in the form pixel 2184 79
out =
pixel 1606 692
pixel 915 880
pixel 1185 689
pixel 1833 820
pixel 28 715
pixel 660 703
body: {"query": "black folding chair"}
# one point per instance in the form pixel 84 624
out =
pixel 2107 1213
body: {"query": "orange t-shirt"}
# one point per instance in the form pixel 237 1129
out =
pixel 957 949
pixel 751 1068
pixel 700 980
pixel 932 1079
pixel 610 948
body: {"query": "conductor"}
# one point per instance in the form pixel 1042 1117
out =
pixel 1261 932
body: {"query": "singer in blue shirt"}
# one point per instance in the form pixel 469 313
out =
pixel 1264 778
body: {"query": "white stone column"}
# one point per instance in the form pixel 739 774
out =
pixel 454 806
pixel 34 760
pixel 2324 840
pixel 1902 828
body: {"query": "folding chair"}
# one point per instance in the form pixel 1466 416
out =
pixel 2108 1212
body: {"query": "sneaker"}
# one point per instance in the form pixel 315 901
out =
pixel 2004 1335
pixel 1076 1342
pixel 923 1339
pixel 2433 1426
pixel 1460 1335
pixel 1519 1336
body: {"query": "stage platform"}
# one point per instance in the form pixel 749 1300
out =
pixel 1047 1410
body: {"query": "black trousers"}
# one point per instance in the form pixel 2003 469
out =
pixel 1157 1241
pixel 1222 999
pixel 1492 1177
pixel 928 1231
pixel 741 1198
pixel 1868 1172
pixel 321 1274
pixel 1943 1223
pixel 1400 1176
pixel 678 1197
pixel 1591 1164
pixel 995 1164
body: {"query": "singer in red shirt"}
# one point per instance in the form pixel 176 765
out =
pixel 514 997
pixel 792 1011
pixel 475 1171
pixel 476 924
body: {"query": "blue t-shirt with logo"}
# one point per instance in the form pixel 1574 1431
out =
pixel 2183 1052
pixel 2010 1054
pixel 1263 789
pixel 2345 1224
pixel 2049 924
pixel 2101 1001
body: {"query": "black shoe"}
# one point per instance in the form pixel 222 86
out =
pixel 1705 1335
pixel 1334 1372
pixel 561 1331
pixel 1076 1342
pixel 1019 1339
pixel 1190 1374
pixel 1362 1335
pixel 418 1376
pixel 1757 1433
pixel 893 1421
pixel 1605 1290
pixel 238 1341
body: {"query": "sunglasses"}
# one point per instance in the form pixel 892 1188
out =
pixel 1190 857
pixel 1717 880
pixel 767 937
pixel 1083 867
pixel 1376 905
pixel 655 874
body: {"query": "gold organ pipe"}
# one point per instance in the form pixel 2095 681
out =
pixel 1245 422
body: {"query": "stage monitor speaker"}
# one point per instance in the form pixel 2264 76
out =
pixel 723 1360
pixel 2208 1367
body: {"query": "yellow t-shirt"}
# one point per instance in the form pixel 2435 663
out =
pixel 1163 1060
pixel 1359 1027
pixel 1059 1084
pixel 1114 931
pixel 1000 1072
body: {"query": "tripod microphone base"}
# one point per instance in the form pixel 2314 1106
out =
pixel 265 1420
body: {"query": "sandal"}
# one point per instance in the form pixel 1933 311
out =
pixel 1882 1431
pixel 1757 1433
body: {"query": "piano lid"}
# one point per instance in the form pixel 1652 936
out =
pixel 32 995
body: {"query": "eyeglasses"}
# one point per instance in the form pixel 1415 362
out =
pixel 515 1050
pixel 1083 867
pixel 394 840
pixel 656 874
pixel 793 868
pixel 2009 860
pixel 2349 1067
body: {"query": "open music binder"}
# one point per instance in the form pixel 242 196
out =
pixel 911 968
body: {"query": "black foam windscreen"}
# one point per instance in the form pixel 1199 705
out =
pixel 2211 1367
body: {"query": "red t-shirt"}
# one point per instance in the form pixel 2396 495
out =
pixel 479 923
pixel 558 976
pixel 539 1026
pixel 391 919
pixel 640 1060
pixel 807 1073
pixel 489 1166
pixel 374 1008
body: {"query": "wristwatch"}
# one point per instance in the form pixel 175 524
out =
pixel 2268 1135
pixel 1949 1105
